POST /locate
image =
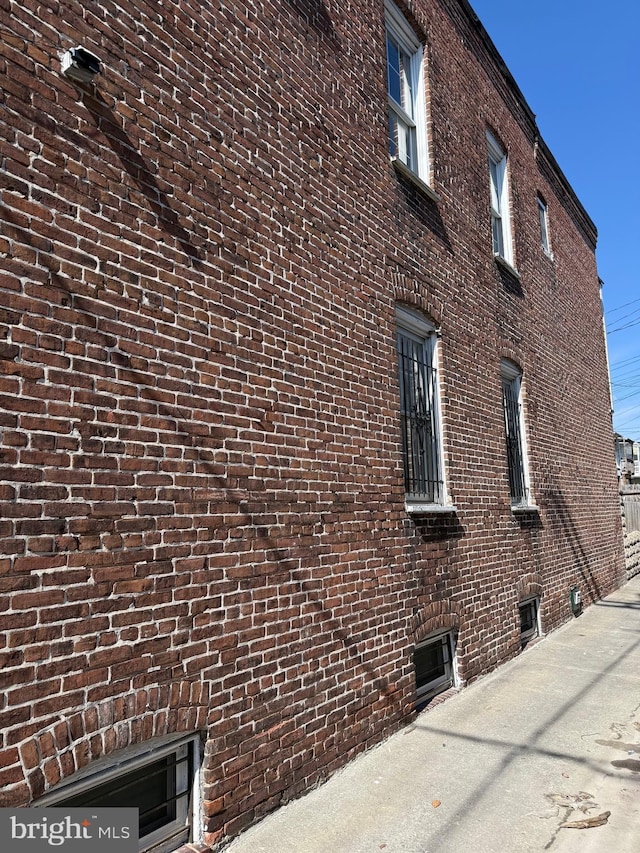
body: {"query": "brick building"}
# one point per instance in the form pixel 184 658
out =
pixel 295 434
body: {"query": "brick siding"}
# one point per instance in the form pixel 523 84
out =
pixel 203 522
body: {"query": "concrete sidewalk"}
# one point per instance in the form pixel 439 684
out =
pixel 551 737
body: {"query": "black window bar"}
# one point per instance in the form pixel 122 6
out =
pixel 151 787
pixel 418 409
pixel 515 457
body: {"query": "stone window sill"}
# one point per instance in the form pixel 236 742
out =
pixel 414 507
pixel 524 508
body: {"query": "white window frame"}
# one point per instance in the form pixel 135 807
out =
pixel 512 377
pixel 447 640
pixel 501 234
pixel 186 825
pixel 412 152
pixel 413 327
pixel 543 216
pixel 536 631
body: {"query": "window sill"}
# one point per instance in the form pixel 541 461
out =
pixel 408 173
pixel 432 702
pixel 504 263
pixel 414 507
pixel 524 508
pixel 527 640
pixel 548 254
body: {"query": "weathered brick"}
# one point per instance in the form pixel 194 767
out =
pixel 200 458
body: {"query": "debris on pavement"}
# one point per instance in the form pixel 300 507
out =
pixel 587 822
pixel 582 801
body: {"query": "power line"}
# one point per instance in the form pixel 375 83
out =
pixel 626 380
pixel 627 325
pixel 620 307
pixel 628 384
pixel 626 397
pixel 633 419
pixel 616 365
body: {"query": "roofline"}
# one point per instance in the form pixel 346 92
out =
pixel 527 119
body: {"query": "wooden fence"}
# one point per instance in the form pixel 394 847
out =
pixel 630 497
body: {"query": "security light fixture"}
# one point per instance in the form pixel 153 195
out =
pixel 80 64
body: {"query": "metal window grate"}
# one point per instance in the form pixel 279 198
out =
pixel 159 788
pixel 419 415
pixel 515 457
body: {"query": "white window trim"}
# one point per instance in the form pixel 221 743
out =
pixel 511 373
pixel 500 206
pixel 397 24
pixel 543 217
pixel 162 840
pixel 410 321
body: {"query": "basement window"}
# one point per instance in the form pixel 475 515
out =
pixel 158 779
pixel 529 625
pixel 433 663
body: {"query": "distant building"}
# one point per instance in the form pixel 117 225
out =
pixel 627 459
pixel 304 405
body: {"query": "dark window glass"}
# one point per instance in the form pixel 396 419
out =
pixel 394 70
pixel 528 621
pixel 433 667
pixel 151 788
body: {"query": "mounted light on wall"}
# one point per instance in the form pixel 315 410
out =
pixel 80 64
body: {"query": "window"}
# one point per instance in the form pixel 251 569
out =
pixel 157 779
pixel 515 434
pixel 544 225
pixel 529 628
pixel 433 663
pixel 500 218
pixel 419 410
pixel 405 87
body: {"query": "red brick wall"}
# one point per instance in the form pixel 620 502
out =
pixel 203 519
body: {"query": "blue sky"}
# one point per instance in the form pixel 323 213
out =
pixel 578 66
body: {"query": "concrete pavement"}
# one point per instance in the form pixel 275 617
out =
pixel 552 737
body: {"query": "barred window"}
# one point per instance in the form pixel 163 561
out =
pixel 419 409
pixel 515 435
